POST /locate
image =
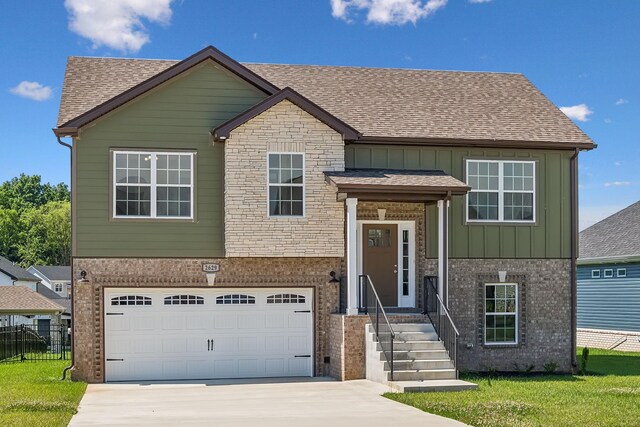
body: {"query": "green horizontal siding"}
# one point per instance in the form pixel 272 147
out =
pixel 549 237
pixel 178 115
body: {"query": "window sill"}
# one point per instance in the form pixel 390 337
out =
pixel 142 220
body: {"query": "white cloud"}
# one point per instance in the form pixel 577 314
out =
pixel 32 90
pixel 621 101
pixel 479 1
pixel 617 163
pixel 589 215
pixel 117 24
pixel 580 112
pixel 608 121
pixel 617 184
pixel 387 12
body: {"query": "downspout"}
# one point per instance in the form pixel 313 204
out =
pixel 73 352
pixel 574 254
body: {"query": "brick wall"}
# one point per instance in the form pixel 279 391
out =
pixel 184 273
pixel 249 232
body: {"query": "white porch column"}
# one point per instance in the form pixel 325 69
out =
pixel 443 251
pixel 352 263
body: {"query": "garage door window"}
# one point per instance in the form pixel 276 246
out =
pixel 235 299
pixel 131 300
pixel 285 299
pixel 184 300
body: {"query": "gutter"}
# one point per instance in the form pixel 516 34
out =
pixel 73 341
pixel 574 255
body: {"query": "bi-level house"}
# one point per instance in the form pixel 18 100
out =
pixel 232 220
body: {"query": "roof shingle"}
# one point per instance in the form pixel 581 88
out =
pixel 20 299
pixel 407 179
pixel 615 236
pixel 15 271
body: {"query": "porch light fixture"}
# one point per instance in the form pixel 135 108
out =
pixel 381 214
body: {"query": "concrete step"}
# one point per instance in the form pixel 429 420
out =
pixel 409 327
pixel 413 345
pixel 423 374
pixel 416 336
pixel 409 365
pixel 437 354
pixel 431 385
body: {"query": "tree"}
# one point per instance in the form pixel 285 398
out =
pixel 27 191
pixel 47 235
pixel 10 234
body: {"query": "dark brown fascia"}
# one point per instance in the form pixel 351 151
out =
pixel 483 143
pixel 402 189
pixel 223 131
pixel 210 52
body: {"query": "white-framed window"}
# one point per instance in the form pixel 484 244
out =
pixel 58 287
pixel 621 272
pixel 501 191
pixel 286 184
pixel 501 314
pixel 148 184
pixel 608 272
pixel 595 274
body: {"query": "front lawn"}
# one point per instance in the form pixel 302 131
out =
pixel 31 394
pixel 609 396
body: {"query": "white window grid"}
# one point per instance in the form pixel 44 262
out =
pixel 503 313
pixel 286 299
pixel 153 184
pixel 595 274
pixel 233 299
pixel 301 185
pixel 58 287
pixel 608 273
pixel 621 272
pixel 184 300
pixel 131 300
pixel 501 191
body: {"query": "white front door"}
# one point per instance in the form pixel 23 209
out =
pixel 404 259
pixel 170 334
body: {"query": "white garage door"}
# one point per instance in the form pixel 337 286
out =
pixel 171 334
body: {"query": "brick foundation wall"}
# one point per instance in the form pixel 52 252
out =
pixel 616 340
pixel 249 232
pixel 544 308
pixel 184 273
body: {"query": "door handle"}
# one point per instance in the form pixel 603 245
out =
pixel 208 345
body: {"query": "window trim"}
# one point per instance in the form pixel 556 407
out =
pixel 501 192
pixel 623 270
pixel 596 274
pixel 153 216
pixel 607 273
pixel 517 315
pixel 303 185
pixel 55 287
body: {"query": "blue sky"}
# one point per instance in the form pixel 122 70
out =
pixel 580 53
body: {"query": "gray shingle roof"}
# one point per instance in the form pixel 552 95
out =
pixel 20 299
pixel 54 297
pixel 15 271
pixel 615 236
pixel 379 102
pixel 407 179
pixel 55 272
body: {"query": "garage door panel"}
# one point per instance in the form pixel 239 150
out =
pixel 250 336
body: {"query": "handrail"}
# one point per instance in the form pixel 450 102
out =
pixel 441 319
pixel 365 284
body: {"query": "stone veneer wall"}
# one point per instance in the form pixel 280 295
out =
pixel 249 232
pixel 616 340
pixel 544 308
pixel 184 273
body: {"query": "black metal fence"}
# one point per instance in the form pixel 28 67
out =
pixel 34 342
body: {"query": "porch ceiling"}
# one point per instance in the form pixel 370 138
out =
pixel 395 184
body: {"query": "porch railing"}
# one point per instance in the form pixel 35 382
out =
pixel 441 319
pixel 34 342
pixel 370 304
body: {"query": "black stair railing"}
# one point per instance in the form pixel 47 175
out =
pixel 441 319
pixel 370 304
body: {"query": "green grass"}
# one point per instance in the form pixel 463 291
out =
pixel 608 396
pixel 31 394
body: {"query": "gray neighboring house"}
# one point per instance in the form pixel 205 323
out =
pixel 55 277
pixel 609 282
pixel 11 274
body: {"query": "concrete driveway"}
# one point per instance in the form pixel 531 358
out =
pixel 273 402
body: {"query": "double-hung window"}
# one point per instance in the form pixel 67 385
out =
pixel 286 184
pixel 501 313
pixel 150 184
pixel 502 191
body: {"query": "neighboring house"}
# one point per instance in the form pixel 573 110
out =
pixel 609 282
pixel 57 278
pixel 12 274
pixel 211 200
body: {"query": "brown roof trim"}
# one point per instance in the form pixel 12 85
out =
pixel 401 189
pixel 223 131
pixel 65 131
pixel 208 52
pixel 484 143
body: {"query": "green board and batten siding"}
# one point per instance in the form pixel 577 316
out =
pixel 549 237
pixel 178 115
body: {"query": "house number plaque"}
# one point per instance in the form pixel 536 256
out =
pixel 210 268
